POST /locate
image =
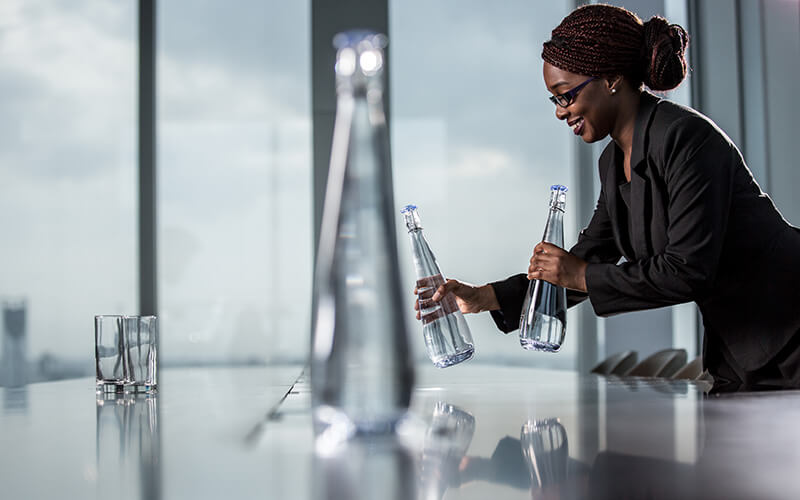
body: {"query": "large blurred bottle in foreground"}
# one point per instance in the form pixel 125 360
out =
pixel 361 366
pixel 543 323
pixel 447 336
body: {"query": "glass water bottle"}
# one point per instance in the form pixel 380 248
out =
pixel 543 323
pixel 361 367
pixel 447 336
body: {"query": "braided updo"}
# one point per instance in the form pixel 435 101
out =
pixel 603 40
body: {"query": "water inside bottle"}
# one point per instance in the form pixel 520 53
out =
pixel 443 325
pixel 549 336
pixel 546 330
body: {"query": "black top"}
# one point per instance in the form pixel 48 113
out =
pixel 625 195
pixel 702 231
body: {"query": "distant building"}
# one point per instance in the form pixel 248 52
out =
pixel 14 361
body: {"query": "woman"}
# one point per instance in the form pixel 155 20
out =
pixel 677 202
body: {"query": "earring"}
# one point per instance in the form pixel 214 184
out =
pixel 613 91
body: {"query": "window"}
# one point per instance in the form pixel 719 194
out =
pixel 476 146
pixel 68 170
pixel 234 180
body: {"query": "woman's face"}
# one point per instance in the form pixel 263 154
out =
pixel 591 114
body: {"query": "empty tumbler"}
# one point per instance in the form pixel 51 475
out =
pixel 447 336
pixel 543 322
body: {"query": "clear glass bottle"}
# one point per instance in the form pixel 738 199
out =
pixel 361 367
pixel 447 336
pixel 543 322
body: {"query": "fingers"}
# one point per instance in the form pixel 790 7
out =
pixel 546 247
pixel 443 290
pixel 426 295
pixel 536 273
pixel 542 260
pixel 545 260
pixel 416 303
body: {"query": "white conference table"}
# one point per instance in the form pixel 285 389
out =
pixel 474 432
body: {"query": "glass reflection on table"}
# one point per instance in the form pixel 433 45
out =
pixel 128 444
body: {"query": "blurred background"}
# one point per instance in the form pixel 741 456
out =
pixel 170 157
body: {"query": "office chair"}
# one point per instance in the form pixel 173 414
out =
pixel 616 364
pixel 663 363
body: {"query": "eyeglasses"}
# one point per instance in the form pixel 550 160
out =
pixel 567 97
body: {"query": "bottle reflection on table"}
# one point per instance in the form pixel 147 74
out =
pixel 364 467
pixel 538 461
pixel 445 444
pixel 546 450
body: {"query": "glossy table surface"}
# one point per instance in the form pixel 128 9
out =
pixel 474 431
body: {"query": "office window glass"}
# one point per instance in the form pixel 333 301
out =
pixel 476 146
pixel 234 180
pixel 68 190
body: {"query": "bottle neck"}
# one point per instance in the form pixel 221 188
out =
pixel 411 219
pixel 359 86
pixel 558 200
pixel 554 228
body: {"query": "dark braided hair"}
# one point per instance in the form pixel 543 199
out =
pixel 603 40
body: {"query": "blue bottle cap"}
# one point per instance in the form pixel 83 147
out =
pixel 559 187
pixel 353 38
pixel 408 208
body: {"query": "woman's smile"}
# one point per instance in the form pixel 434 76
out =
pixel 576 125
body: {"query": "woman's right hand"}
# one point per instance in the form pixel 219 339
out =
pixel 470 298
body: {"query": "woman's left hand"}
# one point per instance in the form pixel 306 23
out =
pixel 557 266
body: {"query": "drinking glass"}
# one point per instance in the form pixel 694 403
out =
pixel 126 353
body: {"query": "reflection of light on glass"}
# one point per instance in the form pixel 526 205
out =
pixel 333 430
pixel 370 62
pixel 346 62
pixel 354 280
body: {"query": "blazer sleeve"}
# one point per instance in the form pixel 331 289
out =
pixel 595 244
pixel 699 171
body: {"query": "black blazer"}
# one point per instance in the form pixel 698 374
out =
pixel 700 230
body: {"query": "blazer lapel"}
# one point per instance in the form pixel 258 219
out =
pixel 641 198
pixel 615 205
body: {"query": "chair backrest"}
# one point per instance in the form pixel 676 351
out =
pixel 616 364
pixel 660 364
pixel 691 370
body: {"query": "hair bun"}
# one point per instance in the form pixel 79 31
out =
pixel 664 62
